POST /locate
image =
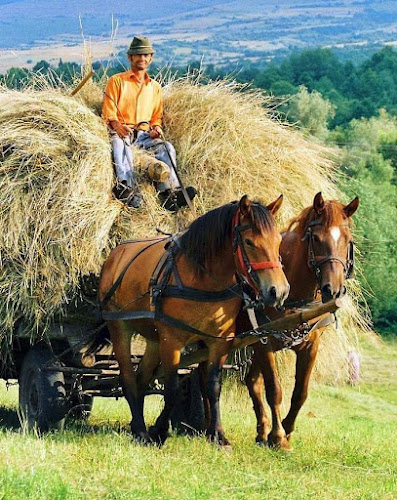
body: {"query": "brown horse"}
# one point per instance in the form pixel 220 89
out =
pixel 182 290
pixel 317 253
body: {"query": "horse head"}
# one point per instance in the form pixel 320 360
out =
pixel 330 244
pixel 256 244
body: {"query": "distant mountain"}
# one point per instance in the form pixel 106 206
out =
pixel 23 22
pixel 224 31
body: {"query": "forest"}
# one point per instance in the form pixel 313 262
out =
pixel 352 107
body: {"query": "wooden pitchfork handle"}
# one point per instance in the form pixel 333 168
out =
pixel 82 83
pixel 184 192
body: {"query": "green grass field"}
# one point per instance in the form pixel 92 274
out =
pixel 344 447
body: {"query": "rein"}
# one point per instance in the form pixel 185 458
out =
pixel 316 262
pixel 247 272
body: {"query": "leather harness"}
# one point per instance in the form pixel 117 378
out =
pixel 160 288
pixel 317 261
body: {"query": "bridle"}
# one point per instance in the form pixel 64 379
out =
pixel 246 270
pixel 316 262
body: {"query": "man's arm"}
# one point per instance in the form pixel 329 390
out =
pixel 109 108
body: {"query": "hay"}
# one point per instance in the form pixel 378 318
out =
pixel 59 220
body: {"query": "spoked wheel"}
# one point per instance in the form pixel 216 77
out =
pixel 42 394
pixel 188 415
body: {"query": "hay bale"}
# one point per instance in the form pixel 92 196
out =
pixel 58 218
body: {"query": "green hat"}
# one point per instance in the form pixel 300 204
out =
pixel 140 45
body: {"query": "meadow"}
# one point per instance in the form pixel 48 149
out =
pixel 344 447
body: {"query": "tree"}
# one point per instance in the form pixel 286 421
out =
pixel 371 176
pixel 15 78
pixel 41 67
pixel 311 111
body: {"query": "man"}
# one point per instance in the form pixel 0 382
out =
pixel 133 110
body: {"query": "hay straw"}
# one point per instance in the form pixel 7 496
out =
pixel 59 220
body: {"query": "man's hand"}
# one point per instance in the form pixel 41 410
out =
pixel 121 130
pixel 156 132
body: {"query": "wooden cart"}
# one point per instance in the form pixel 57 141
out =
pixel 57 378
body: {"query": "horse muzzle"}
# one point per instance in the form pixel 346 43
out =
pixel 328 292
pixel 273 296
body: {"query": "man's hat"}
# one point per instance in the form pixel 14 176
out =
pixel 140 45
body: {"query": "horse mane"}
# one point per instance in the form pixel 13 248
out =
pixel 331 215
pixel 208 235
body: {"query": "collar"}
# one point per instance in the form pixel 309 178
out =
pixel 133 76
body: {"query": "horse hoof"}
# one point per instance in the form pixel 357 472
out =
pixel 279 443
pixel 158 437
pixel 220 440
pixel 261 442
pixel 142 438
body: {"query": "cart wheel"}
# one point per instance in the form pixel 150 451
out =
pixel 188 416
pixel 42 394
pixel 80 406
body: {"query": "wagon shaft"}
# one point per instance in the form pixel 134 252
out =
pixel 310 316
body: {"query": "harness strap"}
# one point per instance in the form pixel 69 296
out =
pixel 316 261
pixel 189 293
pixel 247 268
pixel 177 323
pixel 178 279
pixel 256 266
pixel 125 315
pixel 319 260
pixel 164 268
pixel 109 294
pixel 159 268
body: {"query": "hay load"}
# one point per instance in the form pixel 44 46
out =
pixel 59 219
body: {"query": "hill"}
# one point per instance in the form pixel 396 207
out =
pixel 223 30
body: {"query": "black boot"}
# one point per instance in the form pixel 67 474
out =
pixel 180 198
pixel 136 200
pixel 128 195
pixel 168 200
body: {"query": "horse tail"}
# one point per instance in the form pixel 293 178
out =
pixel 98 340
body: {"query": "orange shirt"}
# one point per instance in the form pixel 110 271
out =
pixel 130 102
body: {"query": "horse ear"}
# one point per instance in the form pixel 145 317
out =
pixel 318 203
pixel 245 205
pixel 274 207
pixel 351 207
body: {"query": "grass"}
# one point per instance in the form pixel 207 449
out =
pixel 344 447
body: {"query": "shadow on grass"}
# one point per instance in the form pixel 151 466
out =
pixel 83 427
pixel 9 419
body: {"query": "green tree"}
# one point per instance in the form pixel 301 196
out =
pixel 311 111
pixel 15 77
pixel 371 176
pixel 41 67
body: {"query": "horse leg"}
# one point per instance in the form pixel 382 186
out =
pixel 121 340
pixel 277 437
pixel 147 366
pixel 255 384
pixel 170 353
pixel 215 432
pixel 305 359
pixel 203 369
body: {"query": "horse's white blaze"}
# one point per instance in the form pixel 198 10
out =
pixel 335 233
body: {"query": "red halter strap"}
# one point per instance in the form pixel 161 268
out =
pixel 245 265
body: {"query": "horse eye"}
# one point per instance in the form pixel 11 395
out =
pixel 316 238
pixel 249 243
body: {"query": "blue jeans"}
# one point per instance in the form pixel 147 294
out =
pixel 124 159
